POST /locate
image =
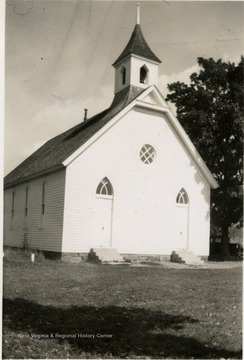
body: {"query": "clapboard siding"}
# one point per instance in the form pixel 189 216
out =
pixel 13 226
pixel 201 202
pixel 144 195
pixel 42 232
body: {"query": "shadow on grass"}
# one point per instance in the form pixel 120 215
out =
pixel 135 331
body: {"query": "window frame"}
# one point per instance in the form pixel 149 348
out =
pixel 12 209
pixel 143 75
pixel 143 151
pixel 26 201
pixel 26 206
pixel 123 75
pixel 103 185
pixel 182 194
pixel 43 204
pixel 43 201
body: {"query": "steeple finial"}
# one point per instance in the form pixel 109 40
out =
pixel 138 14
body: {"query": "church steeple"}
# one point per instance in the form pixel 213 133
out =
pixel 138 14
pixel 137 65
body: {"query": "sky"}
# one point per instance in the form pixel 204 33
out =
pixel 59 54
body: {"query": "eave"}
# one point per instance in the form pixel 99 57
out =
pixel 34 176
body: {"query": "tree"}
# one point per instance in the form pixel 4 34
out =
pixel 211 111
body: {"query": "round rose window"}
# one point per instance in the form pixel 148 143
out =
pixel 147 154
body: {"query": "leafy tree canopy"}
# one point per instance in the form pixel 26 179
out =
pixel 211 111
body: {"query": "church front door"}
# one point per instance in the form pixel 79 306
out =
pixel 181 227
pixel 102 222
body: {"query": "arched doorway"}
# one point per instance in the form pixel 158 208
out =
pixel 181 224
pixel 102 225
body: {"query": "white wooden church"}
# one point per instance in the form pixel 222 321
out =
pixel 129 178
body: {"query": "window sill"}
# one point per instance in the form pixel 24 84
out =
pixel 104 196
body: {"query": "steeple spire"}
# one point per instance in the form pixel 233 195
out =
pixel 137 65
pixel 138 14
pixel 137 45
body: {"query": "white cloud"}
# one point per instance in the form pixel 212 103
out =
pixel 232 58
pixel 46 118
pixel 183 76
pixel 60 115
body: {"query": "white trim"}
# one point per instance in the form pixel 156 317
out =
pixel 101 196
pixel 108 239
pixel 187 207
pixel 182 205
pixel 173 121
pixel 97 135
pixel 182 134
pixel 137 57
pixel 147 154
pixel 182 195
pixel 153 107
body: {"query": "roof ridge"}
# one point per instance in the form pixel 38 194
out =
pixel 55 150
pixel 82 126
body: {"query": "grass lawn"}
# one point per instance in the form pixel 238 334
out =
pixel 128 312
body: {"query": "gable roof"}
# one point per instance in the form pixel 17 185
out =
pixel 151 99
pixel 58 152
pixel 52 154
pixel 137 45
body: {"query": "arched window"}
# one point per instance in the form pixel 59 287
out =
pixel 143 74
pixel 182 197
pixel 123 75
pixel 105 188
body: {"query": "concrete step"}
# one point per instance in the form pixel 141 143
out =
pixel 105 255
pixel 186 257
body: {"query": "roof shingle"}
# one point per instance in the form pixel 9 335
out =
pixel 137 45
pixel 52 154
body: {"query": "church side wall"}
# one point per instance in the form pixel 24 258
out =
pixel 199 219
pixel 144 204
pixel 35 231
